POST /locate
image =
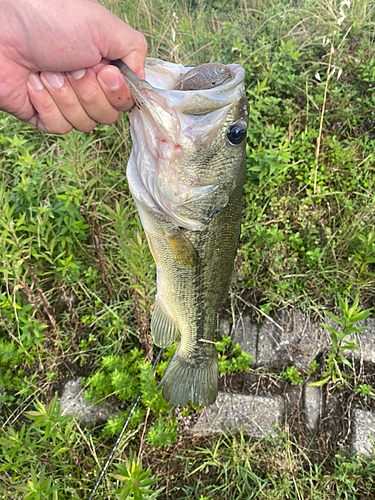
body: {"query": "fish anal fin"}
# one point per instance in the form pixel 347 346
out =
pixel 183 380
pixel 183 250
pixel 164 330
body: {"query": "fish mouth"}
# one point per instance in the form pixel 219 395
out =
pixel 161 77
pixel 145 97
pixel 167 124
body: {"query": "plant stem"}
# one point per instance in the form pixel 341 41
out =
pixel 321 119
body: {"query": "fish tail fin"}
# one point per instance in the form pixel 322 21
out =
pixel 183 380
pixel 163 329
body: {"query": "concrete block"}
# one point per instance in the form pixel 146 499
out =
pixel 73 403
pixel 256 415
pixel 363 437
pixel 245 333
pixel 288 338
pixel 313 406
pixel 364 339
pixel 224 328
pixel 296 340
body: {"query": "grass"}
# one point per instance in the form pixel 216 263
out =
pixel 78 280
pixel 236 468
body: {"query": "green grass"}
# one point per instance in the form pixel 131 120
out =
pixel 238 468
pixel 78 281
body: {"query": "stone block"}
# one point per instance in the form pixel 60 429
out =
pixel 363 437
pixel 245 333
pixel 256 415
pixel 313 406
pixel 73 403
pixel 224 328
pixel 296 340
pixel 366 341
pixel 288 338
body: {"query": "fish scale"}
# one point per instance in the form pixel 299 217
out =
pixel 192 232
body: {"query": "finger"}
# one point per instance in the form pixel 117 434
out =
pixel 97 67
pixel 49 118
pixel 14 98
pixel 67 101
pixel 125 43
pixel 136 59
pixel 115 88
pixel 91 96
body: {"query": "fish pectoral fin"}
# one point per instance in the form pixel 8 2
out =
pixel 182 248
pixel 164 330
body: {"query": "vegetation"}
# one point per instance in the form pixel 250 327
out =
pixel 340 342
pixel 78 280
pixel 236 468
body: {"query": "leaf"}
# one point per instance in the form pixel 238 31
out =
pixel 343 306
pixel 22 487
pixel 320 383
pixel 359 316
pixel 335 343
pixel 120 477
pixel 345 361
pixel 330 329
pixel 335 318
pixel 60 451
pixel 137 493
pixel 33 414
pixel 354 329
pixel 351 346
pixel 124 491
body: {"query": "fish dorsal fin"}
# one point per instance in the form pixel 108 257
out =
pixel 163 329
pixel 183 249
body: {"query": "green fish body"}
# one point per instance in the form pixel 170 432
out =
pixel 186 173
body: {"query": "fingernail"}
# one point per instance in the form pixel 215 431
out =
pixel 56 80
pixel 35 82
pixel 78 73
pixel 110 79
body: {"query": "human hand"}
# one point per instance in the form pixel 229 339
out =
pixel 54 56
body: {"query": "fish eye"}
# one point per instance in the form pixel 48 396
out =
pixel 236 133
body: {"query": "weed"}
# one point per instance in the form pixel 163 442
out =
pixel 365 390
pixel 340 342
pixel 136 482
pixel 232 358
pixel 236 467
pixel 291 373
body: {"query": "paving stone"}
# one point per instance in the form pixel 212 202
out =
pixel 313 406
pixel 364 339
pixel 73 403
pixel 224 328
pixel 288 338
pixel 363 437
pixel 257 415
pixel 245 333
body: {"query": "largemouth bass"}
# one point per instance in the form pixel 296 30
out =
pixel 186 172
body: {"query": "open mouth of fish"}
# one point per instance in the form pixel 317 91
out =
pixel 178 110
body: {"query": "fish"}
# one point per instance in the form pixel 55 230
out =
pixel 186 172
pixel 203 77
